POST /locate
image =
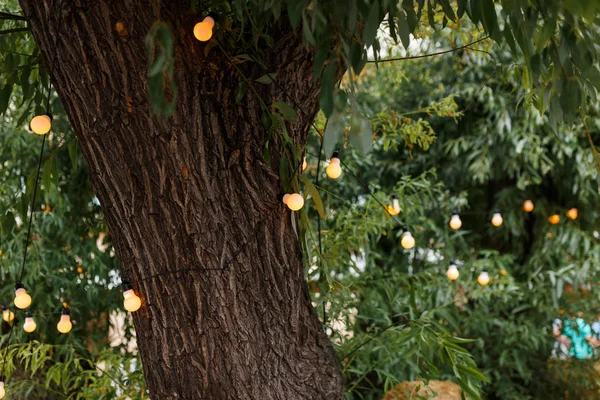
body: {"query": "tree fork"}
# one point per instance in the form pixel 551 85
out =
pixel 193 193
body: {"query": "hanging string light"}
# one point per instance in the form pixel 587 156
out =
pixel 29 325
pixel 203 31
pixel 394 208
pixel 131 301
pixel 407 241
pixel 2 390
pixel 452 272
pixel 528 206
pixel 65 325
pixel 7 314
pixel 334 169
pixel 41 124
pixel 484 277
pixel 573 213
pixel 455 222
pixel 554 219
pixel 22 299
pixel 295 201
pixel 497 218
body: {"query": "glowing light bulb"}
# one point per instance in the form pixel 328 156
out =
pixel 528 206
pixel 455 222
pixel 497 219
pixel 131 301
pixel 65 325
pixel 407 241
pixel 452 272
pixel 295 202
pixel 334 170
pixel 573 213
pixel 22 299
pixel 304 164
pixel 484 278
pixel 203 30
pixel 41 124
pixel 554 219
pixel 7 314
pixel 2 390
pixel 29 325
pixel 394 209
pixel 285 198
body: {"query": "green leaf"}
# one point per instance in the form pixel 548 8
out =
pixel 472 372
pixel 286 110
pixel 315 195
pixel 334 131
pixel 267 78
pixel 372 24
pixel 403 29
pixel 490 19
pixel 327 87
pixel 361 133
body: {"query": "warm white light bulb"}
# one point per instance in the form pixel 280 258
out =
pixel 29 325
pixel 484 278
pixel 65 325
pixel 573 213
pixel 131 301
pixel 334 170
pixel 41 124
pixel 407 241
pixel 285 198
pixel 497 219
pixel 22 299
pixel 394 209
pixel 455 222
pixel 528 206
pixel 203 30
pixel 295 202
pixel 2 390
pixel 452 272
pixel 7 314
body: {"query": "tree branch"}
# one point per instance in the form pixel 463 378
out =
pixel 429 55
pixel 14 30
pixel 5 15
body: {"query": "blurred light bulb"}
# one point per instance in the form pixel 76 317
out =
pixel 497 219
pixel 29 325
pixel 203 30
pixel 131 301
pixel 554 219
pixel 573 213
pixel 295 202
pixel 484 278
pixel 334 170
pixel 528 206
pixel 41 124
pixel 285 198
pixel 2 390
pixel 304 164
pixel 407 241
pixel 452 272
pixel 7 314
pixel 22 299
pixel 394 209
pixel 455 222
pixel 65 325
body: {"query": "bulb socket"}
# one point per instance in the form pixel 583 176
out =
pixel 49 116
pixel 404 229
pixel 28 314
pixel 125 286
pixel 454 212
pixel 497 211
pixel 19 285
pixel 66 311
pixel 2 378
pixel 335 155
pixel 484 270
pixel 4 308
pixel 394 196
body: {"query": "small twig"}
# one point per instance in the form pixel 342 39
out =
pixel 14 30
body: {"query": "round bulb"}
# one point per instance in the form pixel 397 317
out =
pixel 131 301
pixel 29 325
pixel 209 21
pixel 554 219
pixel 408 241
pixel 203 31
pixel 8 315
pixel 334 170
pixel 41 124
pixel 65 325
pixel 295 202
pixel 573 213
pixel 497 219
pixel 304 164
pixel 452 272
pixel 455 222
pixel 484 278
pixel 285 198
pixel 2 390
pixel 528 206
pixel 394 209
pixel 22 299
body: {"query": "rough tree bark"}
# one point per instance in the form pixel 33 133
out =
pixel 192 193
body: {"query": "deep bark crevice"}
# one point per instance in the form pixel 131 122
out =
pixel 187 193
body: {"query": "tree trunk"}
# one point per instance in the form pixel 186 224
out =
pixel 191 194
